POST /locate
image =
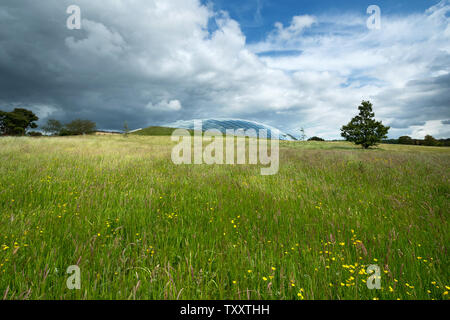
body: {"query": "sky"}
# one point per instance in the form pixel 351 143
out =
pixel 286 63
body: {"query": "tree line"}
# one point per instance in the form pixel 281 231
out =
pixel 428 141
pixel 19 121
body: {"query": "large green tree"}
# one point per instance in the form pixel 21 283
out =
pixel 430 141
pixel 363 129
pixel 17 122
pixel 78 126
pixel 53 127
pixel 405 140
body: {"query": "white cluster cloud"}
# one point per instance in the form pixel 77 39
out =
pixel 298 24
pixel 159 60
pixel 434 128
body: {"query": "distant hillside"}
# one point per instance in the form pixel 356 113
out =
pixel 156 131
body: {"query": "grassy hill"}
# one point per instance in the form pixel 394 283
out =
pixel 141 227
pixel 155 131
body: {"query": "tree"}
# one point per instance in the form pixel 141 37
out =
pixel 53 127
pixel 430 141
pixel 125 128
pixel 302 134
pixel 34 134
pixel 405 140
pixel 316 139
pixel 363 129
pixel 78 126
pixel 17 122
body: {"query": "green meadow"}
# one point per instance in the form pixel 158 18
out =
pixel 140 227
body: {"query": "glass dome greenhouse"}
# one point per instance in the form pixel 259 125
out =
pixel 229 124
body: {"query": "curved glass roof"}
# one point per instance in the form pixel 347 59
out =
pixel 233 124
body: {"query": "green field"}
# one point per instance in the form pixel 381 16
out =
pixel 140 227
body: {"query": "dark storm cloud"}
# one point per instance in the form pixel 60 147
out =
pixel 417 102
pixel 41 68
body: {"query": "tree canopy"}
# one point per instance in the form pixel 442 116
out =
pixel 316 139
pixel 78 127
pixel 17 122
pixel 363 129
pixel 53 127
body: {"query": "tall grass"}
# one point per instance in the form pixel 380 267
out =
pixel 141 227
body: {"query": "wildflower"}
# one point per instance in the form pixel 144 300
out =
pixel 264 278
pixel 273 268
